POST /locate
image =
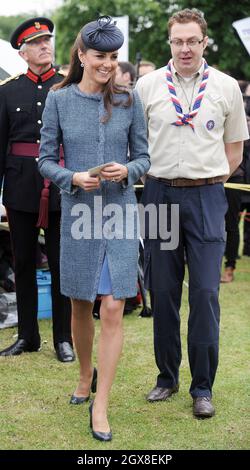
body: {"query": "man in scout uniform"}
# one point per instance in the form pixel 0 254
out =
pixel 196 128
pixel 31 202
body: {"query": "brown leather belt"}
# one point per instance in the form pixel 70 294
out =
pixel 185 182
pixel 28 149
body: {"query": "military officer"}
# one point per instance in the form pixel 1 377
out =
pixel 30 201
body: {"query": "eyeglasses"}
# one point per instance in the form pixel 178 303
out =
pixel 190 42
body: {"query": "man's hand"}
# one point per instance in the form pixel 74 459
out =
pixel 234 153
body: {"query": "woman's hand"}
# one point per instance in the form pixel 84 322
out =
pixel 85 181
pixel 115 172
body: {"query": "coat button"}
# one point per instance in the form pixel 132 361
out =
pixel 38 141
pixel 39 86
pixel 39 103
pixel 39 121
pixel 18 109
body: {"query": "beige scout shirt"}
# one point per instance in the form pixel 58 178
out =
pixel 178 152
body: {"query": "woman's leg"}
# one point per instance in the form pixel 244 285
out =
pixel 109 350
pixel 83 335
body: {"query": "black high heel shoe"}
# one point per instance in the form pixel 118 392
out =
pixel 74 400
pixel 100 436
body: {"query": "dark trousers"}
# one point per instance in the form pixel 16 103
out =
pixel 24 239
pixel 234 197
pixel 246 246
pixel 201 234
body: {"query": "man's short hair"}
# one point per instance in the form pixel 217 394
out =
pixel 146 67
pixel 23 47
pixel 186 16
pixel 147 63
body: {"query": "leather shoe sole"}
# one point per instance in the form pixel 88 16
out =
pixel 161 393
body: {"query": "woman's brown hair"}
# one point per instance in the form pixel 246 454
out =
pixel 110 89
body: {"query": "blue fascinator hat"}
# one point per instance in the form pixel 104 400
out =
pixel 102 35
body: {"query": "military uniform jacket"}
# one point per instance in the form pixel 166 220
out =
pixel 22 101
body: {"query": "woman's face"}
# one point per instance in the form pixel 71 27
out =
pixel 98 66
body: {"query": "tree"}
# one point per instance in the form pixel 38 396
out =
pixel 8 24
pixel 148 28
pixel 143 14
pixel 226 50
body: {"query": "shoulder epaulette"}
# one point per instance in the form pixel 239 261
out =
pixel 13 77
pixel 60 72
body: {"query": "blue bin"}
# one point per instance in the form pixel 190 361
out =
pixel 44 294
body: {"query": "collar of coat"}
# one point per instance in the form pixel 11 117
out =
pixel 43 78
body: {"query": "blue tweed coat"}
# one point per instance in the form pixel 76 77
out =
pixel 74 118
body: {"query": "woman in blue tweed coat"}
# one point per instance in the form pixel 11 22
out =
pixel 97 122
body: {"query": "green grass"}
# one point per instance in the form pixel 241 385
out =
pixel 35 390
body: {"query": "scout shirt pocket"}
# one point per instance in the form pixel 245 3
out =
pixel 211 116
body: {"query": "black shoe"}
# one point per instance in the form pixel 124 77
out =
pixel 161 393
pixel 203 407
pixel 74 400
pixel 64 352
pixel 19 347
pixel 100 436
pixel 146 312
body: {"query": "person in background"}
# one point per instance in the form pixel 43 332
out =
pixel 196 127
pixel 246 198
pixel 64 69
pixel 125 74
pixel 97 122
pixel 234 199
pixel 30 201
pixel 146 67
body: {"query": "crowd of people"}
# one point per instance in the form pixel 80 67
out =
pixel 181 128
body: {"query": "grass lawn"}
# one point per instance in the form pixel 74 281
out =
pixel 35 390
